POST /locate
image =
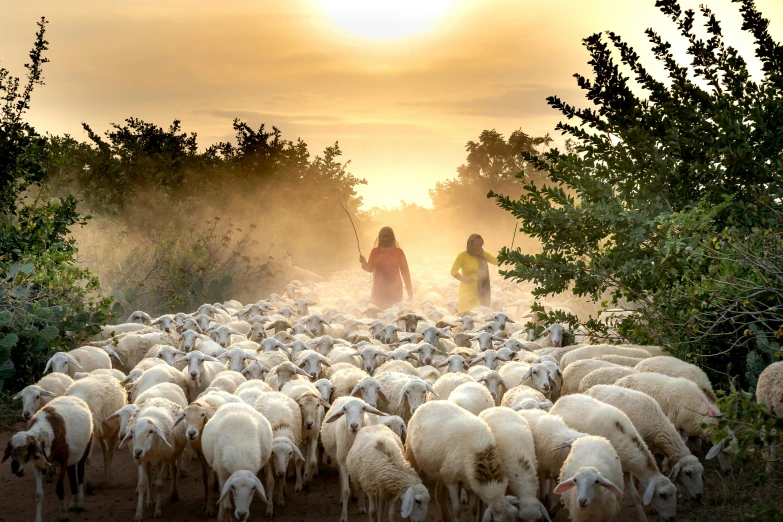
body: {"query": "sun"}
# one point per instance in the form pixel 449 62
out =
pixel 385 19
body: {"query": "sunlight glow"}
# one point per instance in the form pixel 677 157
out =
pixel 385 19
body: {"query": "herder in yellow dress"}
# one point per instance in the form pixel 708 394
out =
pixel 474 287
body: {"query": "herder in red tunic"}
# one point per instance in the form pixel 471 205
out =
pixel 387 262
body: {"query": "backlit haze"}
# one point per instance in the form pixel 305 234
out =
pixel 402 84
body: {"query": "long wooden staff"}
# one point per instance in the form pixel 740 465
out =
pixel 516 226
pixel 342 206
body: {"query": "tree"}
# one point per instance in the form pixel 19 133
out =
pixel 47 301
pixel 650 180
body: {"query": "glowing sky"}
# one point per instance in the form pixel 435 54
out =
pixel 401 84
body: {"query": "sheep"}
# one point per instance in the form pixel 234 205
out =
pixel 165 352
pixel 325 388
pixel 584 413
pixel 674 367
pixel 575 372
pixel 111 372
pixel 552 439
pixel 345 378
pixel 428 373
pixel 156 375
pixel 376 465
pixel 156 445
pixel 237 442
pixel 368 355
pixel 139 317
pixel 228 381
pixel 255 371
pixel 338 437
pixel 86 358
pixel 621 360
pixel 312 407
pixel 769 393
pixel 517 394
pixel 403 393
pixel 285 418
pixel 248 391
pixel 658 432
pixel 593 351
pixel 104 395
pixel 446 384
pixel 200 371
pixel 165 390
pixel 491 379
pixel 555 333
pixel 235 358
pixel 397 367
pixel 454 364
pixel 536 375
pixel 311 362
pixel 517 454
pixel 394 423
pixel 472 396
pixel 60 433
pixel 222 334
pixel 489 358
pixel 608 375
pixel 282 373
pixel 38 395
pixel 110 330
pixel 131 348
pixel 681 400
pixel 454 447
pixel 593 468
pixel 165 323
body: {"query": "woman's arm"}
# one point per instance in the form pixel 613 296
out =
pixel 368 266
pixel 406 275
pixel 456 267
pixel 490 258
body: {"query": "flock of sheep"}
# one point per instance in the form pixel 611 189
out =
pixel 409 403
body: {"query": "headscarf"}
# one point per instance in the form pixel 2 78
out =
pixel 482 277
pixel 378 239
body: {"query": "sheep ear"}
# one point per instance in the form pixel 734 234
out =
pixel 339 413
pixel 298 453
pixel 564 486
pixel 227 488
pixel 714 451
pixel 250 356
pixel 357 390
pixel 648 493
pixel 544 512
pixel 48 364
pixel 302 372
pixel 432 390
pixel 162 436
pixel 180 418
pixel 675 471
pixel 407 503
pixel 382 395
pixel 323 403
pixel 527 375
pixel 487 515
pixel 74 362
pixel 260 489
pixel 608 484
pixel 509 320
pixel 156 321
pixel 376 411
pixel 125 439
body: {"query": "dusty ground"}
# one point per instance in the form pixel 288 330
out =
pixel 726 497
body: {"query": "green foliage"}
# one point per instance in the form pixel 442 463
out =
pixel 47 302
pixel 631 208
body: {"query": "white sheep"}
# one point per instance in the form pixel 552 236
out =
pixel 517 453
pixel 589 415
pixel 608 375
pixel 621 360
pixel 165 390
pixel 312 407
pixel 517 394
pixel 237 443
pixel 536 376
pixel 156 375
pixel 60 433
pixel 472 396
pixel 200 371
pixel 576 371
pixel 104 395
pixel 283 373
pixel 591 481
pixel 595 350
pixel 249 391
pixel 338 432
pixel 235 358
pixel 376 465
pixel 769 392
pixel 403 393
pixel 491 379
pixel 658 432
pixel 446 384
pixel 228 381
pixel 397 367
pixel 344 378
pixel 86 359
pixel 312 362
pixel 455 448
pixel 674 367
pixel 38 395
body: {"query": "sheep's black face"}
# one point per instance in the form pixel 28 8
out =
pixel 19 455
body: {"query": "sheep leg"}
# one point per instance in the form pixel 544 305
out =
pixel 60 490
pixel 281 492
pixel 440 498
pixel 80 480
pixel 150 477
pixel 637 500
pixel 455 503
pixel 108 456
pixel 392 509
pixel 158 487
pixel 371 508
pixel 210 488
pixel 74 489
pixel 345 491
pixel 298 465
pixel 362 505
pixel 174 493
pixel 204 477
pixel 270 489
pixel 141 487
pixel 39 494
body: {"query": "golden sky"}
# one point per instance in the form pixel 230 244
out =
pixel 402 87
